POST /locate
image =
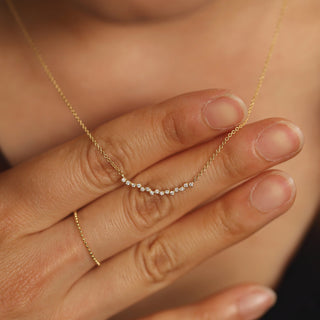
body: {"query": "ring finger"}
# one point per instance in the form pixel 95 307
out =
pixel 158 260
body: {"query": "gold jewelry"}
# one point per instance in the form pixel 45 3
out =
pixel 142 188
pixel 76 220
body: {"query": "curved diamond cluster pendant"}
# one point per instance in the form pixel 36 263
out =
pixel 152 192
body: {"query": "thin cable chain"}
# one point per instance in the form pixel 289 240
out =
pixel 87 131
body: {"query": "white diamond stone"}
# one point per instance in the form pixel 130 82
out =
pixel 191 184
pixel 128 182
pixel 133 185
pixel 176 189
pixel 172 193
pixel 123 179
pixel 181 189
pixel 139 185
pixel 167 191
pixel 157 191
pixel 142 189
pixel 186 185
pixel 161 193
pixel 151 192
pixel 148 189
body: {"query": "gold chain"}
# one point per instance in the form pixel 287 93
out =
pixel 95 142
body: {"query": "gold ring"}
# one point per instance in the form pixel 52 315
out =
pixel 76 219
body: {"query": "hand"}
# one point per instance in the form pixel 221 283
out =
pixel 144 242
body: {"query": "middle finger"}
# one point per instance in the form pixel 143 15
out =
pixel 46 189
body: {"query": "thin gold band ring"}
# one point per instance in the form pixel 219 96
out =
pixel 76 219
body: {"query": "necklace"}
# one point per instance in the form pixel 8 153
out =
pixel 152 191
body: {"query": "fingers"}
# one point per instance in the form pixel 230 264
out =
pixel 245 302
pixel 158 260
pixel 126 216
pixel 46 189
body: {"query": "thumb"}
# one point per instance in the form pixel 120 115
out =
pixel 245 302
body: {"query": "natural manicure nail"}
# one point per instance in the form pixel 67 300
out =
pixel 256 303
pixel 224 112
pixel 272 192
pixel 279 140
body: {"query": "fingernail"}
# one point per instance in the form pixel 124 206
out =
pixel 273 191
pixel 256 303
pixel 224 111
pixel 280 140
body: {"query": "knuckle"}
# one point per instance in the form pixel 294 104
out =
pixel 96 170
pixel 157 260
pixel 173 129
pixel 230 166
pixel 227 221
pixel 145 211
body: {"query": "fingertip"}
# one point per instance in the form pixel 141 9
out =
pixel 274 191
pixel 224 111
pixel 256 302
pixel 245 301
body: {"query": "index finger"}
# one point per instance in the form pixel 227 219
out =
pixel 44 190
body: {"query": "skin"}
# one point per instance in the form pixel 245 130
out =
pixel 144 243
pixel 109 92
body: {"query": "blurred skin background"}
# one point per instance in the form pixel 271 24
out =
pixel 114 56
